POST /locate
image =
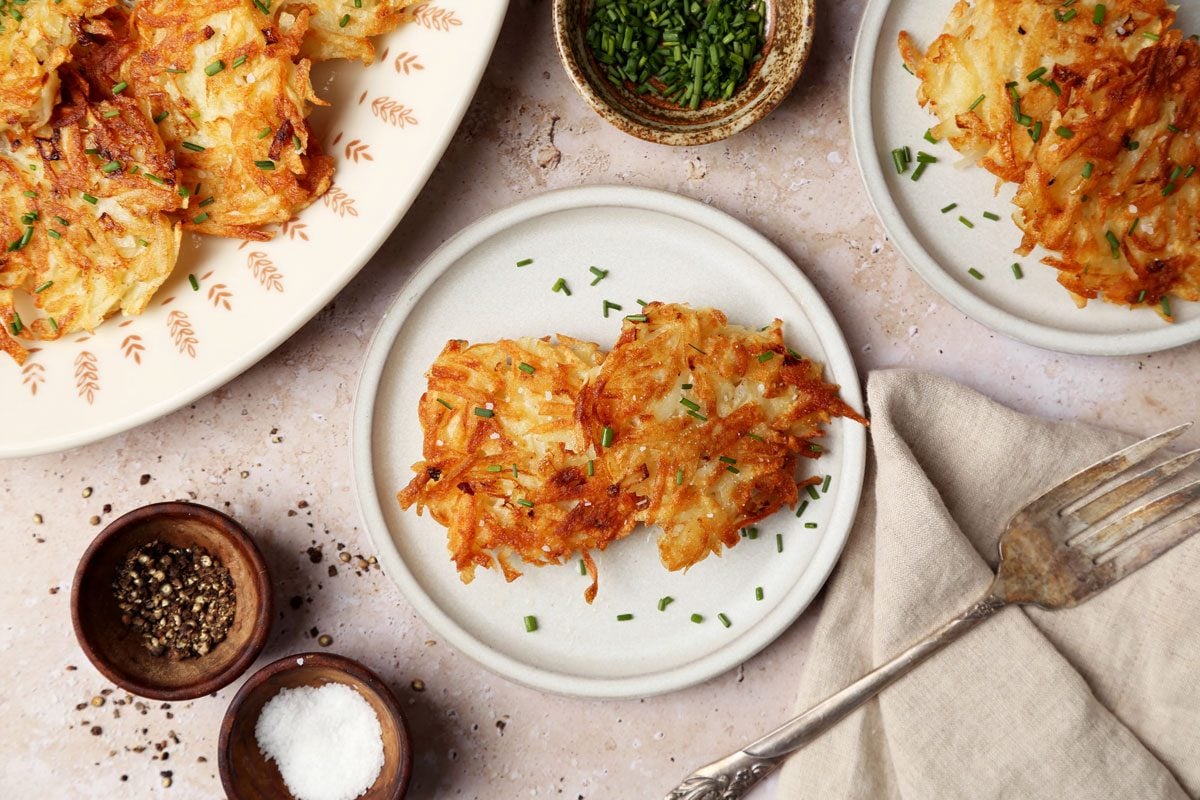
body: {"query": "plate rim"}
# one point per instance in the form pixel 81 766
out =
pixel 375 240
pixel 838 362
pixel 1046 337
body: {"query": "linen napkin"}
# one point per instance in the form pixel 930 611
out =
pixel 1100 701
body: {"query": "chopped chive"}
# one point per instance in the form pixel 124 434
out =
pixel 62 222
pixel 899 161
pixel 214 68
pixel 949 208
pixel 751 533
pixel 54 323
pixel 524 262
pixel 966 222
pixel 925 158
pixel 697 349
pixel 582 567
pixel 265 132
pixel 779 543
pixel 1175 172
pixel 237 62
pixel 1113 244
pixel 1133 226
pixel 919 171
pixel 641 302
pixel 600 274
pixel 208 201
pixel 175 70
pixel 560 285
pixel 54 234
pixel 733 470
pixel 1064 132
pixel 514 471
pixel 1141 295
pixel 199 218
pixel 1098 14
pixel 766 356
pixel 91 151
pixel 344 21
pixel 1035 133
pixel 758 593
pixel 1170 187
pixel 1166 307
pixel 606 436
pixel 978 100
pixel 265 164
pixel 624 617
pixel 117 88
pixel 523 502
pixel 724 620
pixel 696 618
pixel 89 198
pixel 1016 270
pixel 1154 37
pixel 154 179
pixel 727 459
pixel 825 484
pixel 112 112
pixel 195 283
pixel 636 317
pixel 694 406
pixel 16 324
pixel 264 7
pixel 296 142
pixel 815 448
pixel 1173 129
pixel 1132 145
pixel 1188 173
pixel 142 242
pixel 812 492
pixel 1087 169
pixel 29 193
pixel 495 468
pixel 1037 73
pixel 531 624
pixel 800 510
pixel 976 274
pixel 929 137
pixel 679 476
pixel 591 468
pixel 810 525
pixel 610 306
pixel 527 368
pixel 195 148
pixel 991 216
pixel 1052 85
pixel 447 405
pixel 663 602
pixel 484 412
pixel 697 415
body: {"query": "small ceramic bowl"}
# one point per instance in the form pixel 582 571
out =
pixel 247 775
pixel 788 38
pixel 117 650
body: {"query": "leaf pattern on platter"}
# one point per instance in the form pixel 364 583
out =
pixel 341 203
pixel 393 112
pixel 87 376
pixel 132 348
pixel 265 271
pixel 182 332
pixel 427 15
pixel 407 63
pixel 358 149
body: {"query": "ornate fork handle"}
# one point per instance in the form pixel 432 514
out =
pixel 733 776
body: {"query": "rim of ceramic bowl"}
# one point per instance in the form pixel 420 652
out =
pixel 770 81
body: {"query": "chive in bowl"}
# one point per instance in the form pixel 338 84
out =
pixel 787 39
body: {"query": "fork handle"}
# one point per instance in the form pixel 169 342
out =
pixel 733 776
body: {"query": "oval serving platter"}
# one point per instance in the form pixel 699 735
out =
pixel 655 246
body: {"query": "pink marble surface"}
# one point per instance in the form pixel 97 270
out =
pixel 271 448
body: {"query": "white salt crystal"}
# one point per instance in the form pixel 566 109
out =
pixel 325 740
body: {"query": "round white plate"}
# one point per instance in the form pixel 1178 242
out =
pixel 657 246
pixel 388 126
pixel 883 115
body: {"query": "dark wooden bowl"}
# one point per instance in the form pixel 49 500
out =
pixel 117 651
pixel 247 775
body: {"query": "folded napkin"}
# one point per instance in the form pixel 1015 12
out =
pixel 1099 701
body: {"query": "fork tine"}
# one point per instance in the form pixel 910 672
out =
pixel 1133 489
pixel 1096 543
pixel 1104 470
pixel 1131 559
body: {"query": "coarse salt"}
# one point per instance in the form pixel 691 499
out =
pixel 326 741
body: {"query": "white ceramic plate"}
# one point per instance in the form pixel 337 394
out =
pixel 884 114
pixel 656 246
pixel 388 126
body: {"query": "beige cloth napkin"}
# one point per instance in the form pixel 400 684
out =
pixel 1100 701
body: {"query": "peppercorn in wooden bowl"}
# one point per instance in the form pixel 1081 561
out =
pixel 638 67
pixel 172 601
pixel 247 774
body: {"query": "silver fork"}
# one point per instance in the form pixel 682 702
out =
pixel 1053 554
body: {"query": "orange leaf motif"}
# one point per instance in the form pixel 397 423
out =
pixel 356 149
pixel 265 272
pixel 406 62
pixel 132 347
pixel 219 294
pixel 87 376
pixel 341 203
pixel 430 16
pixel 393 112
pixel 32 375
pixel 294 230
pixel 182 333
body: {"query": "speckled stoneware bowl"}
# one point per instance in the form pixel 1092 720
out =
pixel 788 39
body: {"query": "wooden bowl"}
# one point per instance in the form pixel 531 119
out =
pixel 787 41
pixel 247 775
pixel 117 651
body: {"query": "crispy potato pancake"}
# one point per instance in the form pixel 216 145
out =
pixel 708 422
pixel 540 451
pixel 505 464
pixel 337 29
pixel 87 231
pixel 235 94
pixel 986 45
pixel 1118 199
pixel 35 39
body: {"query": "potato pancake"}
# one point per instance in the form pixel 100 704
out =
pixel 991 76
pixel 342 29
pixel 706 421
pixel 231 93
pixel 506 461
pixel 35 39
pixel 85 217
pixel 1116 196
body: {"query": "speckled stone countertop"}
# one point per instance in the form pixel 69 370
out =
pixel 271 448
